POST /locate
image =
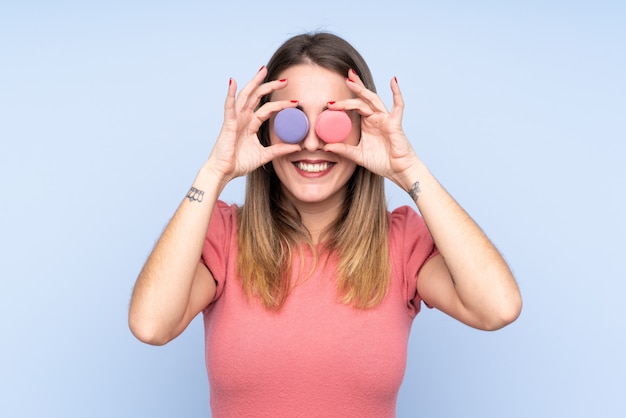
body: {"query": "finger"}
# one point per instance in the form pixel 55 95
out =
pixel 350 152
pixel 258 78
pixel 268 109
pixel 230 112
pixel 254 98
pixel 359 105
pixel 398 101
pixel 357 87
pixel 278 150
pixel 264 112
pixel 354 77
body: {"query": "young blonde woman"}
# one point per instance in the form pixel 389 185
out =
pixel 309 288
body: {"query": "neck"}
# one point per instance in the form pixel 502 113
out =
pixel 317 217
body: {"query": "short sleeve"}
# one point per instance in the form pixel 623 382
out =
pixel 218 243
pixel 411 246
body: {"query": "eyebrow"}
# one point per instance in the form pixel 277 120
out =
pixel 302 109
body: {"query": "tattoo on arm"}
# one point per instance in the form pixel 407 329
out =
pixel 414 190
pixel 195 195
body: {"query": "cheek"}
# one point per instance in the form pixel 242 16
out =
pixel 270 131
pixel 355 133
pixel 281 167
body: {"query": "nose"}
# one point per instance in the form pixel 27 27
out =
pixel 312 142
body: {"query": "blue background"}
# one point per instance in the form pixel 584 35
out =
pixel 108 109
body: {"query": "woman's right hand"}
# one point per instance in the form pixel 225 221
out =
pixel 237 150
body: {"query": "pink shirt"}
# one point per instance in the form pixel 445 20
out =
pixel 315 357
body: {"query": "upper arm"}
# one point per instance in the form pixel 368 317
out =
pixel 202 293
pixel 435 286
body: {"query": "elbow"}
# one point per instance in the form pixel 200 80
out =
pixel 146 331
pixel 505 307
pixel 502 316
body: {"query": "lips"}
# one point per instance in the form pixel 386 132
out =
pixel 313 167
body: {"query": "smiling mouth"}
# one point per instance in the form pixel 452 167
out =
pixel 313 167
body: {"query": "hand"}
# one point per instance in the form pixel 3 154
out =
pixel 384 148
pixel 237 150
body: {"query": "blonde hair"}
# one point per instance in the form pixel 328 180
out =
pixel 270 229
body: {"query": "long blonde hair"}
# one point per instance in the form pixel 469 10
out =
pixel 270 229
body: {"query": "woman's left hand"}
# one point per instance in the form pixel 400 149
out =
pixel 383 148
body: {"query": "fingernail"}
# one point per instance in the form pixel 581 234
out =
pixel 230 81
pixel 331 102
pixel 293 101
pixel 352 81
pixel 262 66
pixel 353 72
pixel 282 80
pixel 395 79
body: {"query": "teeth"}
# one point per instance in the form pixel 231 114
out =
pixel 313 168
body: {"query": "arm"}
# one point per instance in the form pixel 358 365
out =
pixel 174 286
pixel 469 280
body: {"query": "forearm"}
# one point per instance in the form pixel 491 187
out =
pixel 162 291
pixel 481 277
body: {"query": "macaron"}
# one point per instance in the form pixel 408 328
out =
pixel 291 125
pixel 333 126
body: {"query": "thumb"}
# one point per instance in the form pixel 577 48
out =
pixel 278 150
pixel 350 152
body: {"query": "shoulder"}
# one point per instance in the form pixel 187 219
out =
pixel 411 245
pixel 226 209
pixel 403 212
pixel 222 229
pixel 224 216
pixel 220 243
pixel 404 221
pixel 410 241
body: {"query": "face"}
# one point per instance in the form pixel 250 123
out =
pixel 313 176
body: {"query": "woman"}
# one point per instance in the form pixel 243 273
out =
pixel 309 289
